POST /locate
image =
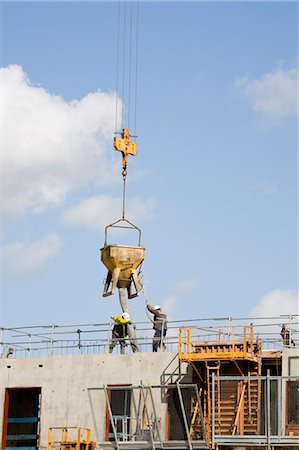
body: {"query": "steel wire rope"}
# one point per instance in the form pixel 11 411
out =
pixel 124 64
pixel 130 63
pixel 124 193
pixel 117 67
pixel 136 66
pixel 124 80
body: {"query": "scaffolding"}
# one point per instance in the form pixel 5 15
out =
pixel 171 417
pixel 159 416
pixel 274 429
pixel 226 350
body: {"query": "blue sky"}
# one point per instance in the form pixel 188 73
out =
pixel 214 186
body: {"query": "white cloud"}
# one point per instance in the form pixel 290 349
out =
pixel 276 303
pixel 51 147
pixel 267 188
pixel 278 306
pixel 98 211
pixel 23 258
pixel 274 94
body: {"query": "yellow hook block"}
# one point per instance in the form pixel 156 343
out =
pixel 125 146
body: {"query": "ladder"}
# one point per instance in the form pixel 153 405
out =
pixel 212 367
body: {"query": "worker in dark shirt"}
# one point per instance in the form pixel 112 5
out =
pixel 159 325
pixel 286 336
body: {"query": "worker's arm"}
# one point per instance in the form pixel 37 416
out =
pixel 119 319
pixel 151 308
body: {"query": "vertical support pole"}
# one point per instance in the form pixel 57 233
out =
pixel 279 406
pixel 5 417
pixel 268 411
pixel 1 341
pixel 213 410
pixel 147 416
pixel 49 438
pixel 201 414
pixel 30 346
pixel 245 340
pixel 189 340
pixel 180 342
pixel 88 436
pixel 251 338
pixel 233 339
pixel 155 414
pixel 78 438
pixel 137 430
pixel 111 417
pixel 290 330
pixel 184 416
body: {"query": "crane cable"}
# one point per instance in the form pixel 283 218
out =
pixel 121 80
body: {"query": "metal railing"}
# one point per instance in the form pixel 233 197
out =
pixel 230 341
pixel 156 416
pixel 53 339
pixel 268 427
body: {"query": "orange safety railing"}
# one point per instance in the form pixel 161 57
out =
pixel 227 342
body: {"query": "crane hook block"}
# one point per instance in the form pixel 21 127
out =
pixel 122 262
pixel 125 146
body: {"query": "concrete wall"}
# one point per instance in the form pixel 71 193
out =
pixel 290 367
pixel 290 362
pixel 64 382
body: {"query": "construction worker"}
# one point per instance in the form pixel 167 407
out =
pixel 159 325
pixel 119 331
pixel 286 336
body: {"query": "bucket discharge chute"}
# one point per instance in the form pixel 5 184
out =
pixel 122 262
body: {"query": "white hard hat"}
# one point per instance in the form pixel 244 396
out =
pixel 157 307
pixel 126 316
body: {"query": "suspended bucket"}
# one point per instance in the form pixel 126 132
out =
pixel 122 262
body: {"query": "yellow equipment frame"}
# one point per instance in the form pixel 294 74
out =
pixel 65 443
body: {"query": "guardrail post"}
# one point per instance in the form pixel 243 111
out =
pixel 184 415
pixel 268 411
pixel 111 417
pixel 279 406
pixel 213 410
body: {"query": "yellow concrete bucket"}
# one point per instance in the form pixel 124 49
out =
pixel 122 262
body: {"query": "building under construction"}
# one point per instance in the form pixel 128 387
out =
pixel 209 386
pixel 227 386
pixel 216 383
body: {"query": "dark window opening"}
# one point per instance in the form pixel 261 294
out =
pixel 293 402
pixel 120 404
pixel 177 429
pixel 22 417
